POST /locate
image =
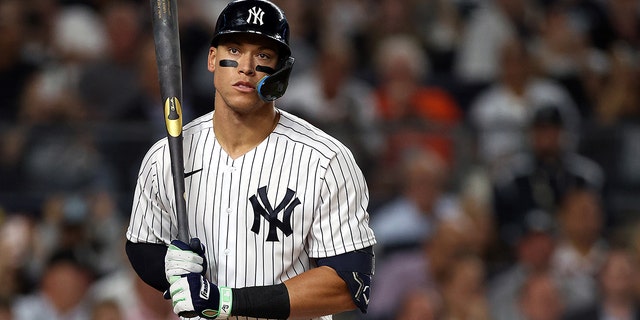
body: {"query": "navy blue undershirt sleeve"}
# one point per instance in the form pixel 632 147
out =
pixel 147 259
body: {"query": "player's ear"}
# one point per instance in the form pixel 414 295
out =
pixel 211 59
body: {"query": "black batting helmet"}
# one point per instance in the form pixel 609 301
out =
pixel 264 18
pixel 257 17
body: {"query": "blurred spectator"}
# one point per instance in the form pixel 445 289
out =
pixel 64 160
pixel 11 145
pixel 412 114
pixel 617 298
pixel 53 155
pixel 104 226
pixel 62 291
pixel 617 98
pixel 540 298
pixel 582 247
pixel 389 19
pixel 50 151
pixel 15 69
pixel 134 298
pixel 41 16
pixel 533 251
pixel 6 311
pixel 408 220
pixel 58 227
pixel 49 99
pixel 33 149
pixel 590 17
pixel 106 310
pixel 632 236
pixel 107 84
pixel 434 24
pixel 78 37
pixel 88 224
pixel 612 137
pixel 403 273
pixel 474 203
pixel 142 121
pixel 500 114
pixel 305 21
pixel 209 10
pixel 563 53
pixel 16 245
pixel 537 179
pixel 420 305
pixel 332 98
pixel 122 143
pixel 349 20
pixel 441 26
pixel 398 17
pixel 463 290
pixel 625 22
pixel 487 30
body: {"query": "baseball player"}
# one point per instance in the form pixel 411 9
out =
pixel 277 208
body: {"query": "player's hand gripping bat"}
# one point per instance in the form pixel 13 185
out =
pixel 167 45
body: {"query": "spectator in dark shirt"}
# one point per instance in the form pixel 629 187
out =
pixel 538 178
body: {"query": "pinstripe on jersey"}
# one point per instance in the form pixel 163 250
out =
pixel 230 197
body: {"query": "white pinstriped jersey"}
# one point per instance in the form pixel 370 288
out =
pixel 298 195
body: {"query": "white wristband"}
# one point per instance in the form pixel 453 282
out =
pixel 226 300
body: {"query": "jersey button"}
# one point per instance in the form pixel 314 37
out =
pixel 227 252
pixel 229 210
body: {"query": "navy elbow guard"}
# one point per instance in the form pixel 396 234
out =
pixel 356 269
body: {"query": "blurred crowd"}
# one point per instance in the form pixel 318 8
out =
pixel 500 140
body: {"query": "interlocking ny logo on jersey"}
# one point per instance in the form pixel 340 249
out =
pixel 263 208
pixel 255 16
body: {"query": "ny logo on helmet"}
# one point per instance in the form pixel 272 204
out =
pixel 255 14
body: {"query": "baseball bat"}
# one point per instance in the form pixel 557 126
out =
pixel 168 59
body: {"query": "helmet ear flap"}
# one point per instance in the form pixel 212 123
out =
pixel 273 86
